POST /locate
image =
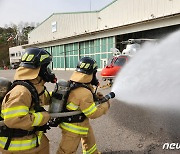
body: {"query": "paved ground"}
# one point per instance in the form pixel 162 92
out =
pixel 125 129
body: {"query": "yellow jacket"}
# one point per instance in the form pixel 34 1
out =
pixel 17 111
pixel 82 99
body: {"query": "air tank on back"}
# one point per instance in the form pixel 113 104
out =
pixel 57 105
pixel 5 85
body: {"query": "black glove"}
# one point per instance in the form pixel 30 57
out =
pixel 44 128
pixel 57 96
pixel 55 122
pixel 39 109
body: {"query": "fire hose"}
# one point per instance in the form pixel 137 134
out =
pixel 66 114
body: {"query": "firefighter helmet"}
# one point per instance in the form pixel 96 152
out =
pixel 35 57
pixel 38 58
pixel 86 65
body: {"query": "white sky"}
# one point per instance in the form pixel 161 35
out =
pixel 16 11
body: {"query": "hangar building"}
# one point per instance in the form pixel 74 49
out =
pixel 70 36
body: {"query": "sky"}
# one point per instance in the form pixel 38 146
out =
pixel 17 11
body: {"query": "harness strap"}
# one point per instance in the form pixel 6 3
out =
pixel 8 139
pixel 4 132
pixel 42 92
pixel 11 132
pixel 30 87
pixel 75 118
pixel 73 85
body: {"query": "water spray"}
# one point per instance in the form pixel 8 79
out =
pixel 152 77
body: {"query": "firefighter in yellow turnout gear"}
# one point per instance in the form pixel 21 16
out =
pixel 82 99
pixel 21 118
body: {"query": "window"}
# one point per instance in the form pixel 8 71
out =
pixel 120 61
pixel 54 26
pixel 13 54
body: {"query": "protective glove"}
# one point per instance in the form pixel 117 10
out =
pixel 55 122
pixel 39 109
pixel 44 128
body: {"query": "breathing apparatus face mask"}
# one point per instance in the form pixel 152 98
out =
pixel 47 75
pixel 95 81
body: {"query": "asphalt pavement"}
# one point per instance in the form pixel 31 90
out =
pixel 125 129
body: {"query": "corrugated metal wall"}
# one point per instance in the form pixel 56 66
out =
pixel 124 12
pixel 67 25
pixel 119 13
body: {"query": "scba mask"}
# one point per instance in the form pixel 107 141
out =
pixel 47 75
pixel 95 81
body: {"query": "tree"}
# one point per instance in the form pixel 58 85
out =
pixel 13 35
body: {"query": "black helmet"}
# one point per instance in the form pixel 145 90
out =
pixel 86 65
pixel 35 57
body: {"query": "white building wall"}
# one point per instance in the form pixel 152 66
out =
pixel 123 12
pixel 15 54
pixel 118 14
pixel 67 25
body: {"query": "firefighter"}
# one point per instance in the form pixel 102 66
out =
pixel 82 99
pixel 24 120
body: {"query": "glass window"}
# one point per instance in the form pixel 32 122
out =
pixel 75 61
pixel 103 56
pixel 110 55
pixel 54 62
pixel 71 62
pixel 120 61
pixel 67 50
pixel 60 50
pixel 54 52
pixel 58 62
pixel 97 58
pixel 67 62
pixel 62 62
pixel 97 45
pixel 110 43
pixel 75 48
pixel 103 45
pixel 71 49
pixel 87 47
pixel 92 46
pixel 81 46
pixel 110 61
pixel 48 49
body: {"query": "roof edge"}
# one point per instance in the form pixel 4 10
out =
pixel 74 13
pixel 107 5
pixel 42 22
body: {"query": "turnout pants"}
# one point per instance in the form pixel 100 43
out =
pixel 70 142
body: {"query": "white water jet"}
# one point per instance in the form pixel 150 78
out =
pixel 152 77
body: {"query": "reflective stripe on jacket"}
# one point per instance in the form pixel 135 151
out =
pixel 24 144
pixel 82 99
pixel 90 110
pixel 14 112
pixel 17 111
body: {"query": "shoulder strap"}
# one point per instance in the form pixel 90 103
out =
pixel 72 86
pixel 77 85
pixel 31 88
